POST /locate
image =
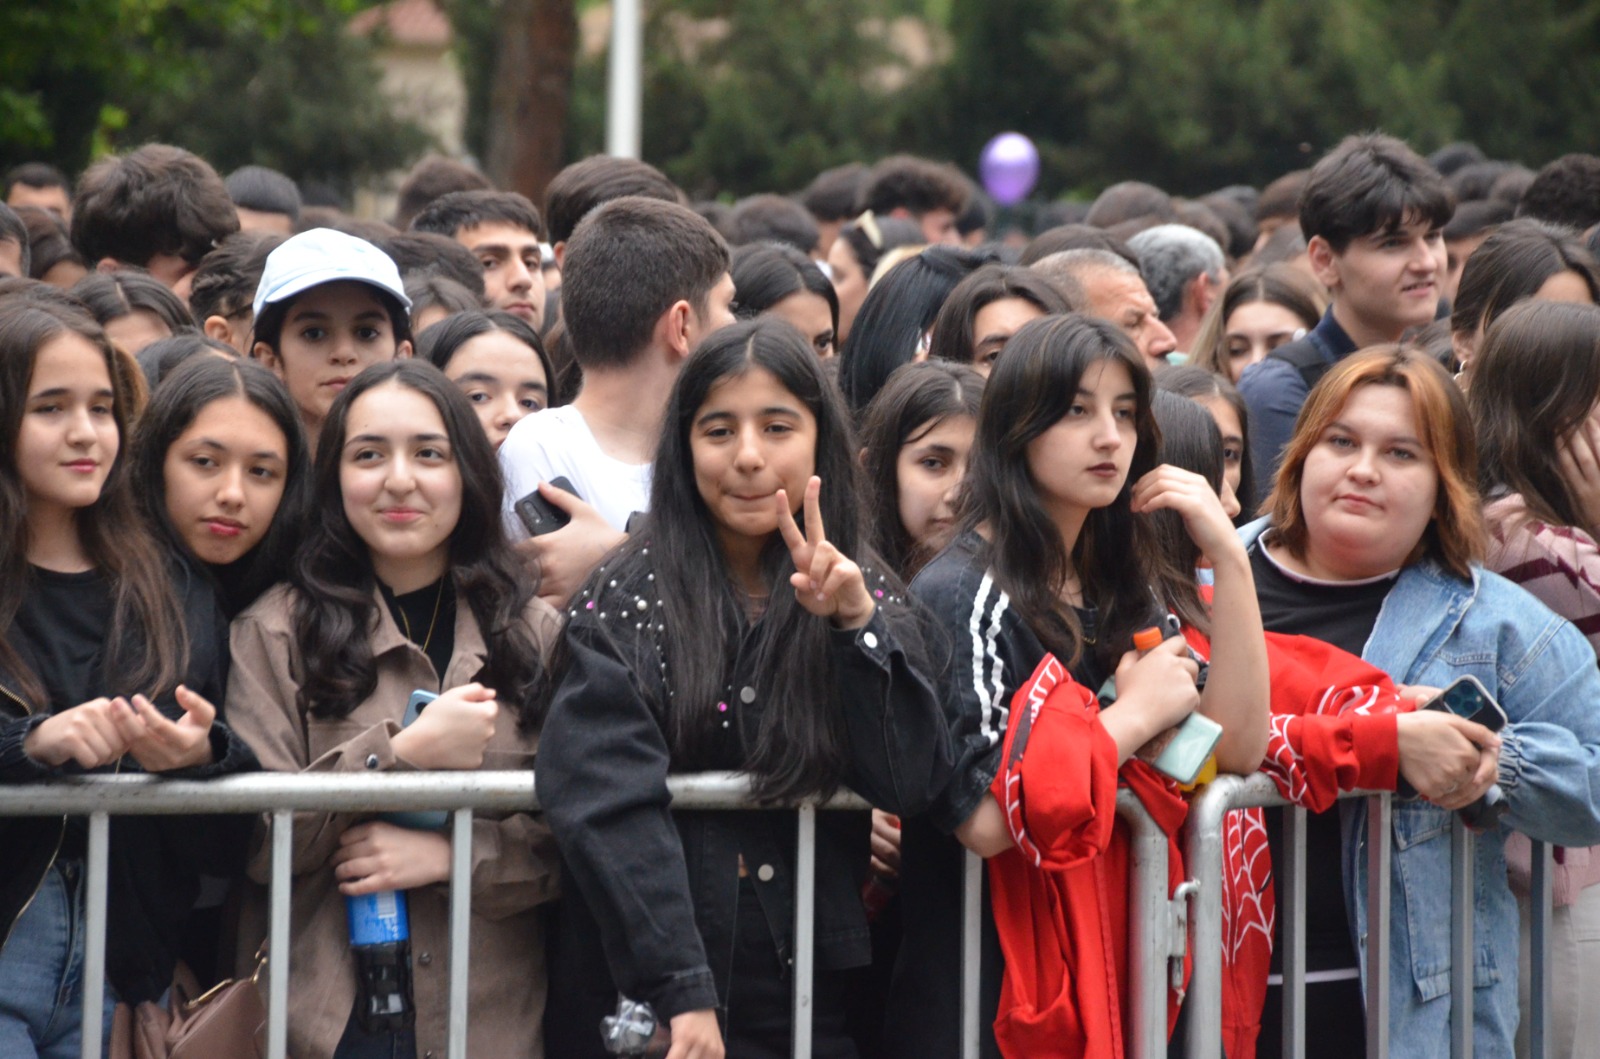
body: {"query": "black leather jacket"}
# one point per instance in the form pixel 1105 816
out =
pixel 662 885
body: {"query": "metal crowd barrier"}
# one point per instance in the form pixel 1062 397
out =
pixel 1206 818
pixel 1159 926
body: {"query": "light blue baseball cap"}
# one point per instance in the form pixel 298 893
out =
pixel 323 255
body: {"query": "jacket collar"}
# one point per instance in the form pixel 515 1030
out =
pixel 466 658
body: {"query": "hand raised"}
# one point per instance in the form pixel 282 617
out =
pixel 826 582
pixel 1169 488
pixel 1578 456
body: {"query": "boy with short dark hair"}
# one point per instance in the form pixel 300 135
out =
pixel 267 200
pixel 160 208
pixel 594 181
pixel 504 232
pixel 1373 213
pixel 931 194
pixel 39 184
pixel 646 282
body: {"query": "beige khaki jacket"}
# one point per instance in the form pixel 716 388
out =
pixel 514 861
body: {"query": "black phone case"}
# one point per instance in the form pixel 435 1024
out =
pixel 539 514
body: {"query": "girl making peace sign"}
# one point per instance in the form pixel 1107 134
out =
pixel 725 636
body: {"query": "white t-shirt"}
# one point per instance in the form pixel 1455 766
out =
pixel 557 443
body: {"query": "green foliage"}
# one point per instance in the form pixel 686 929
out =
pixel 1193 94
pixel 755 94
pixel 276 82
pixel 301 96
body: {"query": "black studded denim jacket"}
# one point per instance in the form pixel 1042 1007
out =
pixel 663 886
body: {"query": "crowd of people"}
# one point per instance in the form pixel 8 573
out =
pixel 985 526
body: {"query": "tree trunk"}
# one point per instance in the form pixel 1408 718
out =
pixel 531 92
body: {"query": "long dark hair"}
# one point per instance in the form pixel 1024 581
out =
pixel 895 315
pixel 800 746
pixel 1031 388
pixel 1534 383
pixel 917 395
pixel 1191 441
pixel 1186 380
pixel 148 647
pixel 335 607
pixel 176 403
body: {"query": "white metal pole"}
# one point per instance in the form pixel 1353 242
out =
pixel 625 80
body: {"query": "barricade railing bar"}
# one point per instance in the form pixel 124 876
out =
pixel 1161 927
pixel 283 794
pixel 1207 814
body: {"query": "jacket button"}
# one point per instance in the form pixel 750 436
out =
pixel 425 959
pixel 765 873
pixel 372 761
pixel 870 639
pixel 747 695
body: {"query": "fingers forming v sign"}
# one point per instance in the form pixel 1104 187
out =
pixel 826 582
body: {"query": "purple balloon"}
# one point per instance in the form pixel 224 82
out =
pixel 1009 167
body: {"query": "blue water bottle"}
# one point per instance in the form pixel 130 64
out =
pixel 380 938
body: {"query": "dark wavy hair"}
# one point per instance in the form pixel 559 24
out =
pixel 916 399
pixel 800 747
pixel 1032 387
pixel 179 399
pixel 148 646
pixel 335 606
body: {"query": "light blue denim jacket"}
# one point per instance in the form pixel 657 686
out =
pixel 1433 628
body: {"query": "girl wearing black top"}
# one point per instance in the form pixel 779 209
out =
pixel 1053 557
pixel 110 659
pixel 221 467
pixel 725 636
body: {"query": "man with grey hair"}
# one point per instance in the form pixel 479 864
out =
pixel 1107 285
pixel 1186 273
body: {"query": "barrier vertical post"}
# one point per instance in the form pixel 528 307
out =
pixel 1539 992
pixel 1204 1004
pixel 1462 957
pixel 1292 913
pixel 94 942
pixel 1149 927
pixel 460 929
pixel 805 900
pixel 1380 823
pixel 971 951
pixel 278 935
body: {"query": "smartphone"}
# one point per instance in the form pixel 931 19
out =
pixel 1465 697
pixel 539 514
pixel 425 820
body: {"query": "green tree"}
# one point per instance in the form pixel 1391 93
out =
pixel 302 96
pixel 275 82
